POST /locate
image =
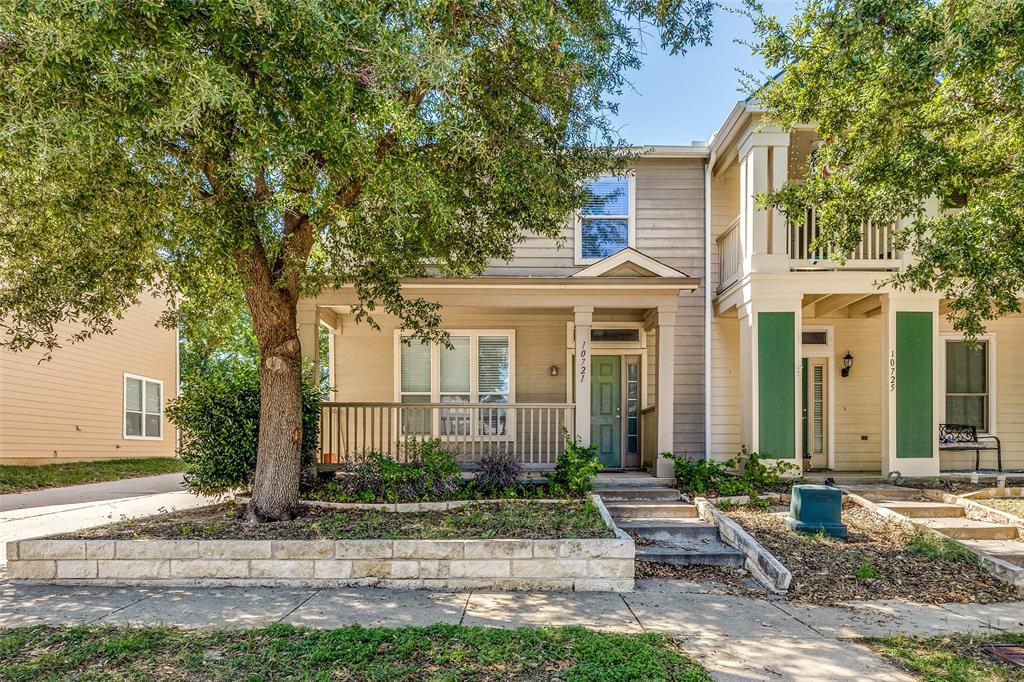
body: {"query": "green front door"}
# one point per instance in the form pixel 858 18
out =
pixel 606 408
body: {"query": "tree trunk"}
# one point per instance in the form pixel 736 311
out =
pixel 275 492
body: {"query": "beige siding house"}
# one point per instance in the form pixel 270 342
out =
pixel 677 316
pixel 102 398
pixel 819 362
pixel 611 318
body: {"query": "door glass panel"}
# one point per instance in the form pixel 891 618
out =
pixel 632 406
pixel 818 400
pixel 455 366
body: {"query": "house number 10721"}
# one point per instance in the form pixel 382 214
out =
pixel 583 361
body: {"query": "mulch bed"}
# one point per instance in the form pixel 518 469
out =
pixel 520 519
pixel 1010 505
pixel 873 562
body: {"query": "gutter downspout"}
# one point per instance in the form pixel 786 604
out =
pixel 708 165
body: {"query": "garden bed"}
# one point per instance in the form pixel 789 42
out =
pixel 880 559
pixel 441 652
pixel 571 545
pixel 505 519
pixel 1010 505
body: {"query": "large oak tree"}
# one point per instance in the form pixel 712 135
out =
pixel 917 100
pixel 271 148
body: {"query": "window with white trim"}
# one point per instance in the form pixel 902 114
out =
pixel 606 223
pixel 967 384
pixel 143 408
pixel 476 368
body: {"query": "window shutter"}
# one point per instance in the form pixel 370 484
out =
pixel 493 365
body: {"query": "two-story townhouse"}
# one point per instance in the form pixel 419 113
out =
pixel 612 318
pixel 675 315
pixel 812 359
pixel 101 398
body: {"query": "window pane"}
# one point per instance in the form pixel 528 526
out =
pixel 415 420
pixel 133 424
pixel 456 421
pixel 600 238
pixel 627 335
pixel 455 366
pixel 608 196
pixel 969 409
pixel 133 395
pixel 416 367
pixel 493 364
pixel 153 425
pixel 152 397
pixel 966 370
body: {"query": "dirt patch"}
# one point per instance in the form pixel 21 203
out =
pixel 1010 505
pixel 881 559
pixel 736 580
pixel 526 520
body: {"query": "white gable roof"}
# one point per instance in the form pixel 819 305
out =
pixel 629 262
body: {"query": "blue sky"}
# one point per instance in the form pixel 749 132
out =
pixel 681 99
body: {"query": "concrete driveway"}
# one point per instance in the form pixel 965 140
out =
pixel 62 510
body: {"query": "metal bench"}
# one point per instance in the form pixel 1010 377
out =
pixel 958 437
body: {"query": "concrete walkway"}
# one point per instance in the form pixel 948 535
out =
pixel 736 638
pixel 62 510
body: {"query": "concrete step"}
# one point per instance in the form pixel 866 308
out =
pixel 1007 550
pixel 671 530
pixel 924 510
pixel 632 480
pixel 628 494
pixel 884 493
pixel 651 510
pixel 969 529
pixel 713 553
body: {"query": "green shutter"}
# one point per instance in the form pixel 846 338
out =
pixel 776 369
pixel 914 403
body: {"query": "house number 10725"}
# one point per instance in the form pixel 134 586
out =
pixel 892 371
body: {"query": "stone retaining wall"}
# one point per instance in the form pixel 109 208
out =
pixel 582 565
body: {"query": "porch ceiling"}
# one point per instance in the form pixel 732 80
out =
pixel 842 305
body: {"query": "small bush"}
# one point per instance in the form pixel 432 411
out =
pixel 867 571
pixel 575 469
pixel 430 475
pixel 218 413
pixel 704 476
pixel 499 474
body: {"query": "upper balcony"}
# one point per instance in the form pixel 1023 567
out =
pixel 799 251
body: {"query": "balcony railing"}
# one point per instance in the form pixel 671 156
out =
pixel 533 431
pixel 729 255
pixel 876 249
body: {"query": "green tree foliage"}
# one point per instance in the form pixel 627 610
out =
pixel 917 100
pixel 218 413
pixel 271 148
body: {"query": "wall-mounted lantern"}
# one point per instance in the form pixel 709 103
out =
pixel 554 370
pixel 847 364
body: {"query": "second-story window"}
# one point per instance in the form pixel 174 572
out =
pixel 606 223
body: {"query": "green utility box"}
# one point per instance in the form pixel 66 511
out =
pixel 815 509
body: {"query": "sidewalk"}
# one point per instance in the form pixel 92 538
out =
pixel 736 638
pixel 62 510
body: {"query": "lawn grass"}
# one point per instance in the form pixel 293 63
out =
pixel 438 652
pixel 952 658
pixel 17 478
pixel 525 519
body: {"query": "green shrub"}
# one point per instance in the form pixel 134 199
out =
pixel 218 413
pixel 575 469
pixel 705 476
pixel 431 474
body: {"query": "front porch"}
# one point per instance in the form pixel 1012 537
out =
pixel 524 354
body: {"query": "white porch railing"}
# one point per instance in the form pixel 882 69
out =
pixel 729 255
pixel 533 431
pixel 876 249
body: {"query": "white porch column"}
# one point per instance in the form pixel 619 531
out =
pixel 308 319
pixel 583 321
pixel 764 164
pixel 911 392
pixel 770 371
pixel 665 388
